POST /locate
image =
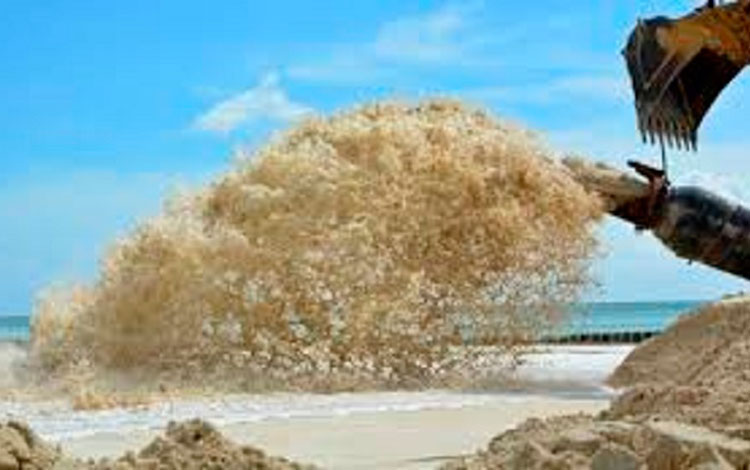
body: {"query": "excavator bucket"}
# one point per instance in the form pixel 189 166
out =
pixel 679 67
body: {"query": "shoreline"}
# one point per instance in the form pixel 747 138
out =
pixel 352 431
pixel 402 439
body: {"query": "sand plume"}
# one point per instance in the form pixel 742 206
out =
pixel 362 248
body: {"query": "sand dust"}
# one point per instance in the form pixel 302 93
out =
pixel 184 446
pixel 12 361
pixel 362 250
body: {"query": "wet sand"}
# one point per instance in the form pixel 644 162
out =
pixel 352 431
pixel 389 440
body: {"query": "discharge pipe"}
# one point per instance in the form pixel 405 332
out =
pixel 692 222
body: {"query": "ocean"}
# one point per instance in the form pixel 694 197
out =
pixel 596 317
pixel 621 317
pixel 14 327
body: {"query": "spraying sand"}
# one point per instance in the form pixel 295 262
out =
pixel 12 358
pixel 361 250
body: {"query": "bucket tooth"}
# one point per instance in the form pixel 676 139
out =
pixel 669 134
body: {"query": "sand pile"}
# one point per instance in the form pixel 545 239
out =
pixel 184 446
pixel 353 251
pixel 686 406
pixel 21 449
pixel 585 442
pixel 197 445
pixel 693 346
pixel 697 371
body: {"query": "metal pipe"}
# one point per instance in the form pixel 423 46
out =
pixel 701 226
pixel 694 223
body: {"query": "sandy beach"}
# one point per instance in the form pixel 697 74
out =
pixel 373 430
pixel 386 440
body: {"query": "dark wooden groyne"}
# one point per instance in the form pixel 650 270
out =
pixel 601 337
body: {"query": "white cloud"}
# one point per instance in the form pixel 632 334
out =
pixel 637 267
pixel 730 186
pixel 447 35
pixel 342 67
pixel 460 38
pixel 267 100
pixel 570 88
pixel 433 37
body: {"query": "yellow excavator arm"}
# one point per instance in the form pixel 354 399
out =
pixel 678 67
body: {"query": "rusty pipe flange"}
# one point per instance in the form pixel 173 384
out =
pixel 646 212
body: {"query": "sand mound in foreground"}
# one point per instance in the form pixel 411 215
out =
pixel 585 442
pixel 22 449
pixel 353 251
pixel 686 406
pixel 696 345
pixel 697 371
pixel 184 446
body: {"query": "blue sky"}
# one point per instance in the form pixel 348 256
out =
pixel 107 108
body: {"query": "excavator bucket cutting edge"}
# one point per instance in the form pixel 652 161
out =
pixel 679 67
